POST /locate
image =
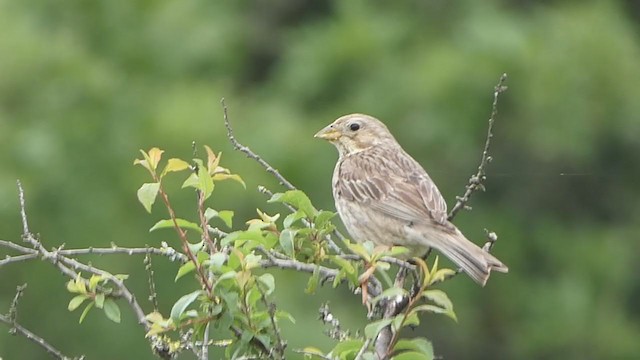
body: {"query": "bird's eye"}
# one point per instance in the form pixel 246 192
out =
pixel 354 126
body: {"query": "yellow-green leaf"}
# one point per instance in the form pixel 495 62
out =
pixel 174 165
pixel 76 302
pixel 86 311
pixel 235 177
pixel 225 215
pixel 155 155
pixel 185 269
pixel 182 223
pixel 372 329
pixel 147 195
pixel 99 300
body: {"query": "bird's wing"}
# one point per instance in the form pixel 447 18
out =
pixel 393 183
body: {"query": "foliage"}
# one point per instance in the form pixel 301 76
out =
pixel 85 84
pixel 234 297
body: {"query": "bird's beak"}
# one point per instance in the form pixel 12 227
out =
pixel 328 133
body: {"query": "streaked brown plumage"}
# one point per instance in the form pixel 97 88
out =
pixel 383 195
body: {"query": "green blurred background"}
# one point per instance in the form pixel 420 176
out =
pixel 85 84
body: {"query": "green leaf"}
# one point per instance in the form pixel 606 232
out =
pixel 439 297
pixel 147 195
pixel 437 310
pixel 286 241
pixel 412 355
pixel 420 345
pixel 347 268
pixel 360 250
pixel 292 218
pixel 280 314
pixel 76 301
pixel 205 182
pixel 345 348
pixel 372 329
pixel 181 305
pixel 268 281
pixel 238 236
pixel 297 199
pixel 200 180
pixel 401 321
pixel 440 275
pixel 390 293
pixel 323 218
pixel 86 311
pixel 397 250
pixel 225 215
pixel 182 223
pixel 188 267
pixel 112 310
pixel 99 300
pixel 313 282
pixel 217 260
pixel 226 276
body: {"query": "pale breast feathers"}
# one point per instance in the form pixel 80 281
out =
pixel 390 182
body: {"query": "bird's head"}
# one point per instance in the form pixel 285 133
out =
pixel 356 132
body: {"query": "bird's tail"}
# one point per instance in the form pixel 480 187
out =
pixel 476 262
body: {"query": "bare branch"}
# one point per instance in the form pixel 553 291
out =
pixel 476 182
pixel 35 338
pixel 335 332
pixel 250 154
pixel 18 258
pixel 66 264
pixel 11 319
pixel 270 169
pixel 14 246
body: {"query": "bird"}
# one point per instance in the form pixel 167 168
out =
pixel 384 196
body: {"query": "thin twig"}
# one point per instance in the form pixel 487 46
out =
pixel 14 246
pixel 363 349
pixel 271 261
pixel 35 338
pixel 270 169
pixel 153 295
pixel 11 319
pixel 17 258
pixel 476 182
pixel 250 154
pixel 280 344
pixel 13 309
pixel 66 264
pixel 335 332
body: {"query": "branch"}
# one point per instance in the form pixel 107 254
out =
pixel 476 182
pixel 270 169
pixel 65 264
pixel 35 338
pixel 250 154
pixel 16 328
pixel 280 344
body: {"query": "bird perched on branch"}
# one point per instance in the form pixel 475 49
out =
pixel 383 195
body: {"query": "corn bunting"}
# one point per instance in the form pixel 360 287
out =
pixel 383 195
